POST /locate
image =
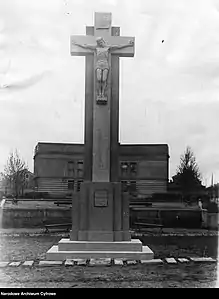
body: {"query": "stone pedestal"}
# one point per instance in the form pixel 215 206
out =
pixel 100 227
pixel 127 250
pixel 100 212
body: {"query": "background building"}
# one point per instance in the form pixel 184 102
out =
pixel 143 169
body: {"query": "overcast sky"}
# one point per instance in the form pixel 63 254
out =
pixel 169 92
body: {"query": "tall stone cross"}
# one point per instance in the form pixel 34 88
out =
pixel 100 211
pixel 102 47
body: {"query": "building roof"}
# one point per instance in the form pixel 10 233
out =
pixel 124 149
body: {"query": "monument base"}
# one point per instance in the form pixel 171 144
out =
pixel 100 212
pixel 105 236
pixel 127 250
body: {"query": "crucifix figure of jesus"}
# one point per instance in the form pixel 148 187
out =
pixel 102 67
pixel 102 47
pixel 102 44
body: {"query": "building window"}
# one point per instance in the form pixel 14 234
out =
pixel 128 169
pixel 132 187
pixel 124 186
pixel 133 168
pixel 79 185
pixel 71 184
pixel 124 166
pixel 71 168
pixel 80 169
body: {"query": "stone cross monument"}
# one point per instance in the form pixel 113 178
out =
pixel 100 211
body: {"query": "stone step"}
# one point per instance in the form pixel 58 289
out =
pixel 54 254
pixel 67 245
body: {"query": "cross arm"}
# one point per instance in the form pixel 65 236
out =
pixel 122 46
pixel 82 45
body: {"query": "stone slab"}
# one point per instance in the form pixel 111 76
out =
pixel 14 264
pixel 28 263
pixel 81 262
pixel 49 263
pixel 54 254
pixel 154 261
pixel 131 262
pixel 202 259
pixel 69 263
pixel 171 260
pixel 100 262
pixel 118 262
pixel 183 260
pixel 3 264
pixel 68 245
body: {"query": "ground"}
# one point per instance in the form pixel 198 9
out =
pixel 139 276
pixel 22 246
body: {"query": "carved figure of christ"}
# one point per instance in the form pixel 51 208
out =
pixel 102 68
pixel 101 88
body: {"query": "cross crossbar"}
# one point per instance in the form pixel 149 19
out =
pixel 110 41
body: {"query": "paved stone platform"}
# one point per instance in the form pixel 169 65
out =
pixel 129 250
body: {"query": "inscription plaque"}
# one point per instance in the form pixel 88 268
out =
pixel 101 198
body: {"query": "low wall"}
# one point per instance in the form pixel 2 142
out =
pixel 170 218
pixel 32 218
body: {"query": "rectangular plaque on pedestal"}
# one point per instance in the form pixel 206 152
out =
pixel 101 198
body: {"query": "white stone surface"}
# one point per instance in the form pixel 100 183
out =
pixel 50 263
pixel 202 259
pixel 118 262
pixel 28 263
pixel 133 262
pixel 183 260
pixel 171 260
pixel 69 263
pixel 154 261
pixel 98 262
pixel 14 264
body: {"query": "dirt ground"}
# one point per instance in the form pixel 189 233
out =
pixel 139 276
pixel 21 247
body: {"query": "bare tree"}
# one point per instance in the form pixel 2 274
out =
pixel 15 173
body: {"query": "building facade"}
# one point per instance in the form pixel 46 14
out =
pixel 59 168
